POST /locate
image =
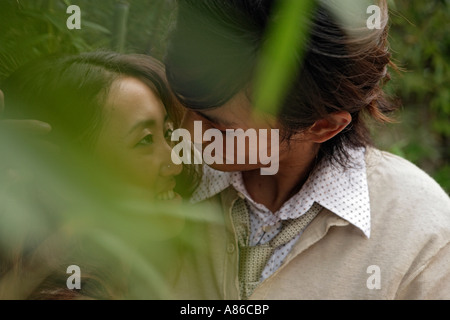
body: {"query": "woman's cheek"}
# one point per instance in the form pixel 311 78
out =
pixel 145 171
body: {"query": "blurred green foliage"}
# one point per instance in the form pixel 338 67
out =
pixel 57 213
pixel 63 209
pixel 281 51
pixel 33 28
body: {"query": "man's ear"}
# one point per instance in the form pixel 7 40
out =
pixel 325 129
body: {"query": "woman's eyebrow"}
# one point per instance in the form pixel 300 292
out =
pixel 142 124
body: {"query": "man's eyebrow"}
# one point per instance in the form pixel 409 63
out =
pixel 213 120
pixel 142 124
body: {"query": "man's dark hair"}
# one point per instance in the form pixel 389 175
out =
pixel 214 49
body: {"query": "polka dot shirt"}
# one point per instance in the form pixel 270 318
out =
pixel 342 191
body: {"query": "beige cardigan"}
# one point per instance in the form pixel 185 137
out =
pixel 406 257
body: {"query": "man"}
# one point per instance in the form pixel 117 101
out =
pixel 339 219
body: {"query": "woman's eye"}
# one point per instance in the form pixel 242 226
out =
pixel 148 140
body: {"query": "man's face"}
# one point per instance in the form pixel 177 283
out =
pixel 236 114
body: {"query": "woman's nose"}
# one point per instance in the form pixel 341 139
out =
pixel 168 168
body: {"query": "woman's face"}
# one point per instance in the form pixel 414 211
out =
pixel 134 139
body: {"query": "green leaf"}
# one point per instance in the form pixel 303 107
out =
pixel 281 53
pixel 95 27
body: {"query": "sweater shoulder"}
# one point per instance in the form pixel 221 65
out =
pixel 400 189
pixel 401 175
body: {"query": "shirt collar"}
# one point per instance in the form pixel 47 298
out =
pixel 213 182
pixel 343 191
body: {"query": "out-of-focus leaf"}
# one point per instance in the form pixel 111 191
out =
pixel 282 53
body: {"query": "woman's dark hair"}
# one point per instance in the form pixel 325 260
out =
pixel 214 49
pixel 69 91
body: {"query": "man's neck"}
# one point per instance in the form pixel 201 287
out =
pixel 296 164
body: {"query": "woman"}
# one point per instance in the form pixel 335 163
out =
pixel 111 117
